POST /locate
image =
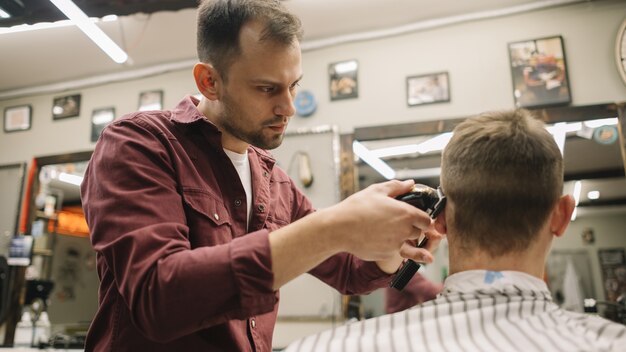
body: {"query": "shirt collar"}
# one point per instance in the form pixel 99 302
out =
pixel 187 111
pixel 501 281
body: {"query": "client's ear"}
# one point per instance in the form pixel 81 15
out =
pixel 562 215
pixel 440 222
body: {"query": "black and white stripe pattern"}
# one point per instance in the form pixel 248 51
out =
pixel 477 311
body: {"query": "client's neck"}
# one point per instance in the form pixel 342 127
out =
pixel 531 261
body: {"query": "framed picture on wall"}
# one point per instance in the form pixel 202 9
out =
pixel 539 72
pixel 66 106
pixel 99 119
pixel 17 118
pixel 343 80
pixel 151 100
pixel 427 89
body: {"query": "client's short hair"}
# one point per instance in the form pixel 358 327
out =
pixel 504 173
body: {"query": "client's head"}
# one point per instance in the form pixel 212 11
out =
pixel 502 173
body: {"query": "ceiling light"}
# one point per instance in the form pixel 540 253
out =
pixel 362 152
pixel 593 194
pixel 434 144
pixel 69 178
pixel 393 151
pixel 4 14
pixel 601 122
pixel 78 17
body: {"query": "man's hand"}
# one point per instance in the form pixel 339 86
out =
pixel 370 224
pixel 375 226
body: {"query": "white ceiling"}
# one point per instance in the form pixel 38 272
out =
pixel 35 58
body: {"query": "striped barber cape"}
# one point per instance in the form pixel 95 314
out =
pixel 478 310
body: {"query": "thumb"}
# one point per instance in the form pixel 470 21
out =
pixel 395 188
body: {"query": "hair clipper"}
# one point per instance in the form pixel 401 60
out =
pixel 430 200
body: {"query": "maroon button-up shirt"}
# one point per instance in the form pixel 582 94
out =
pixel 167 216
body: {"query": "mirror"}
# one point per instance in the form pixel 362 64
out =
pixel 594 172
pixel 62 252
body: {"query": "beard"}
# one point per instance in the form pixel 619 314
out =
pixel 233 121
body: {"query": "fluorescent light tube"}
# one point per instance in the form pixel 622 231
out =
pixel 4 14
pixel 69 178
pixel 80 19
pixel 362 152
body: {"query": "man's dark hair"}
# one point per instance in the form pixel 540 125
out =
pixel 220 21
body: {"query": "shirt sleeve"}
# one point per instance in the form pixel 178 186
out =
pixel 138 228
pixel 345 272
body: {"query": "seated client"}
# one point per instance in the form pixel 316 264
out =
pixel 502 173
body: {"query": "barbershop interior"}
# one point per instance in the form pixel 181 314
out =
pixel 384 84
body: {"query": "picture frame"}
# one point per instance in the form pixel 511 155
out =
pixel 17 118
pixel 539 72
pixel 343 80
pixel 428 88
pixel 66 106
pixel 150 100
pixel 100 118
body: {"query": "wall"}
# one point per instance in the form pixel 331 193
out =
pixel 610 233
pixel 474 53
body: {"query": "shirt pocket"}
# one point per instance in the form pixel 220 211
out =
pixel 207 218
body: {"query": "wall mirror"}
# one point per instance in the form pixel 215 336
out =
pixel 594 173
pixel 62 258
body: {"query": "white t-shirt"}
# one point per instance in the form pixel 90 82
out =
pixel 242 165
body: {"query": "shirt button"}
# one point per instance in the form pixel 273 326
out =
pixel 265 173
pixel 261 208
pixel 237 202
pixel 217 217
pixel 253 323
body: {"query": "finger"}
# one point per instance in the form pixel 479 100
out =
pixel 423 221
pixel 434 238
pixel 395 188
pixel 419 255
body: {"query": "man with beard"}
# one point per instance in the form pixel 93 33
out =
pixel 194 226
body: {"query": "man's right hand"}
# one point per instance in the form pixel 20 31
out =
pixel 372 225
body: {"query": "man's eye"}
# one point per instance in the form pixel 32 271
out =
pixel 293 86
pixel 267 89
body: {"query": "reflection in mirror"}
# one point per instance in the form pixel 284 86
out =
pixel 62 253
pixel 594 173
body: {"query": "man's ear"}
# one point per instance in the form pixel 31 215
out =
pixel 207 80
pixel 440 222
pixel 561 215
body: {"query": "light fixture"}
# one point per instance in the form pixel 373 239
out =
pixel 601 122
pixel 436 143
pixel 80 19
pixel 362 152
pixel 70 178
pixel 47 25
pixel 4 14
pixel 593 195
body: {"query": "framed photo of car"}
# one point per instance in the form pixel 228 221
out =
pixel 539 72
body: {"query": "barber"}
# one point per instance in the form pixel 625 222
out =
pixel 194 225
